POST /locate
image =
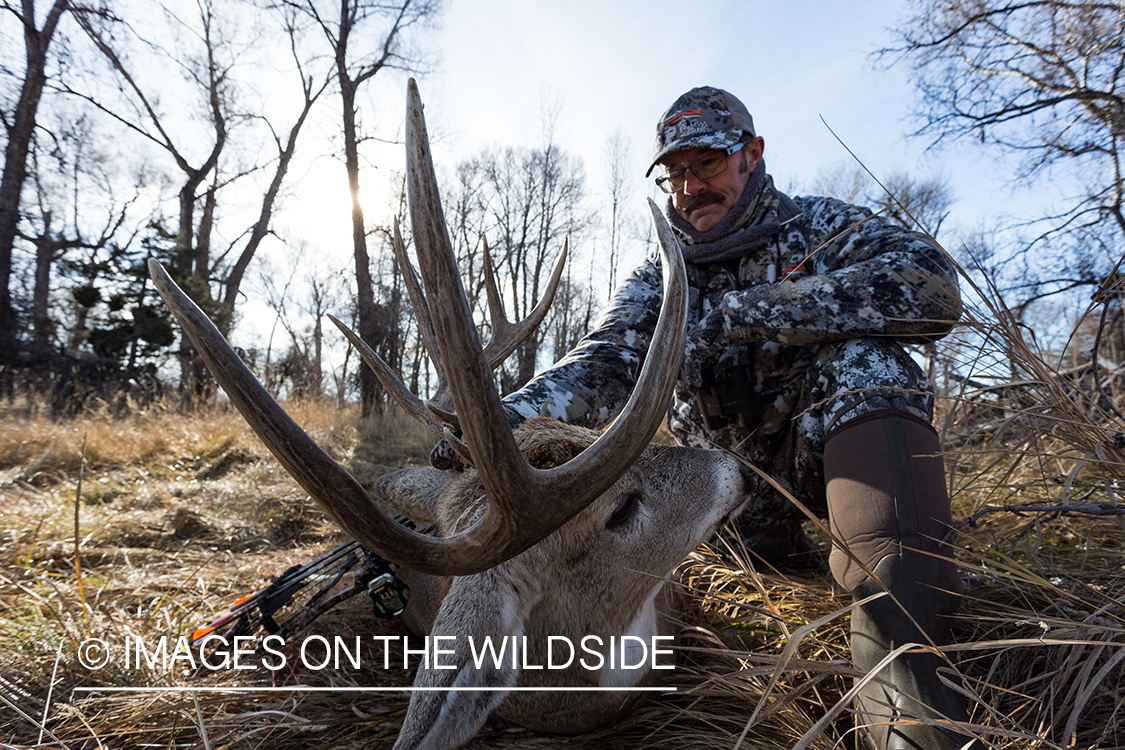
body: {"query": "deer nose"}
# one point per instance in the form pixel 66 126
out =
pixel 750 478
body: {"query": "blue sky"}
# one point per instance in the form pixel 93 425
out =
pixel 618 65
pixel 615 65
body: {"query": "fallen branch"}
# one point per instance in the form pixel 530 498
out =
pixel 1085 509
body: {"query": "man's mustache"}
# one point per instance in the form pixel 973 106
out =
pixel 702 199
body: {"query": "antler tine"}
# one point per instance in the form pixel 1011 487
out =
pixel 410 403
pixel 440 404
pixel 495 301
pixel 468 373
pixel 326 481
pixel 506 336
pixel 526 504
pixel 621 444
pixel 418 303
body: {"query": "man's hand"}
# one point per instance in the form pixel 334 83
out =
pixel 704 344
pixel 445 458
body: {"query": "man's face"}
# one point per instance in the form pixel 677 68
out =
pixel 704 203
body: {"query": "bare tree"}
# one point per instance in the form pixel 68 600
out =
pixel 914 202
pixel 919 203
pixel 75 206
pixel 212 51
pixel 392 319
pixel 300 369
pixel 575 302
pixel 618 184
pixel 366 37
pixel 527 202
pixel 1041 80
pixel 466 199
pixel 19 126
pixel 209 70
pixel 311 90
pixel 844 180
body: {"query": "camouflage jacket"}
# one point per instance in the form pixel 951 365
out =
pixel 834 272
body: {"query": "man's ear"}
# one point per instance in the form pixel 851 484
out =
pixel 755 149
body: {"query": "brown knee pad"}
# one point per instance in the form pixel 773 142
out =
pixel 885 482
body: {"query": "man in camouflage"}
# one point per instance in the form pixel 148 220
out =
pixel 798 312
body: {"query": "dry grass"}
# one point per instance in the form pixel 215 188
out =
pixel 181 513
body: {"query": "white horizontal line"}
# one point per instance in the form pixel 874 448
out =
pixel 301 689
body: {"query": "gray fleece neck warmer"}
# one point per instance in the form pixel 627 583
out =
pixel 743 230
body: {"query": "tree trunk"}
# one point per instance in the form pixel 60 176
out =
pixel 317 359
pixel 20 134
pixel 186 259
pixel 262 225
pixel 368 316
pixel 203 241
pixel 41 295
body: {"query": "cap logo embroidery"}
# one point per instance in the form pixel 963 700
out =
pixel 680 115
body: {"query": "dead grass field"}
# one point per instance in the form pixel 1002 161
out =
pixel 179 514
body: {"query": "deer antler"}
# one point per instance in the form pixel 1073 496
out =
pixel 524 504
pixel 437 412
pixel 506 336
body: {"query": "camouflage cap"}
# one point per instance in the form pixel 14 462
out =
pixel 704 117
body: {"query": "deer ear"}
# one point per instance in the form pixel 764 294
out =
pixel 413 493
pixel 477 631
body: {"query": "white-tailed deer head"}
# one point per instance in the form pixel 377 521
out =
pixel 555 530
pixel 572 597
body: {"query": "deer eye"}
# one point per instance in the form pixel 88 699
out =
pixel 624 508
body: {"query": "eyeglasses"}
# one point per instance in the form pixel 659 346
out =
pixel 705 167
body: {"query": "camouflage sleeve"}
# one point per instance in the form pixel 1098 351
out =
pixel 593 381
pixel 865 277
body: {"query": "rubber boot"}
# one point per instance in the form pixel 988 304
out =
pixel 888 504
pixel 909 687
